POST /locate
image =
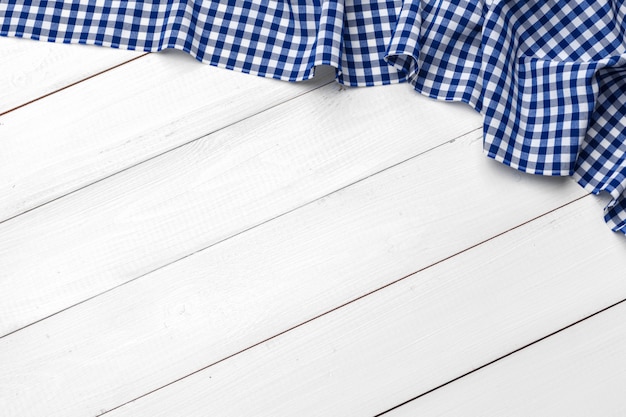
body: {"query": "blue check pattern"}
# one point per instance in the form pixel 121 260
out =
pixel 548 76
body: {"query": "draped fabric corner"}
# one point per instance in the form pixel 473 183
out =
pixel 548 76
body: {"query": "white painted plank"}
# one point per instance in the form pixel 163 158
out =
pixel 423 331
pixel 579 372
pixel 30 69
pixel 219 301
pixel 121 118
pixel 202 193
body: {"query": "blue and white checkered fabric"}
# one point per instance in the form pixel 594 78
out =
pixel 549 76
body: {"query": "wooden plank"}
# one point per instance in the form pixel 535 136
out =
pixel 428 329
pixel 121 118
pixel 209 190
pixel 30 69
pixel 208 306
pixel 579 372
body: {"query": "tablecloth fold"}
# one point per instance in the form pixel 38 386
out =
pixel 548 76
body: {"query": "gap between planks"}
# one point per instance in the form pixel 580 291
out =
pixel 72 84
pixel 155 104
pixel 157 155
pixel 407 407
pixel 31 70
pixel 539 380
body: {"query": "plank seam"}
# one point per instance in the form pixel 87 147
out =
pixel 159 154
pixel 506 355
pixel 72 84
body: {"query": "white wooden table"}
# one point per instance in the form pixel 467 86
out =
pixel 182 240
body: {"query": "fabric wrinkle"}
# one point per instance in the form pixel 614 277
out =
pixel 548 77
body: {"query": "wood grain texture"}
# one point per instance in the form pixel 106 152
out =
pixel 432 327
pixel 242 291
pixel 211 189
pixel 579 372
pixel 121 118
pixel 29 70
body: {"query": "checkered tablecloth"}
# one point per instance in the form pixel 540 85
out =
pixel 549 76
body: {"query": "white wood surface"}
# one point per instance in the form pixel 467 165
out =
pixel 209 190
pixel 183 240
pixel 265 281
pixel 419 333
